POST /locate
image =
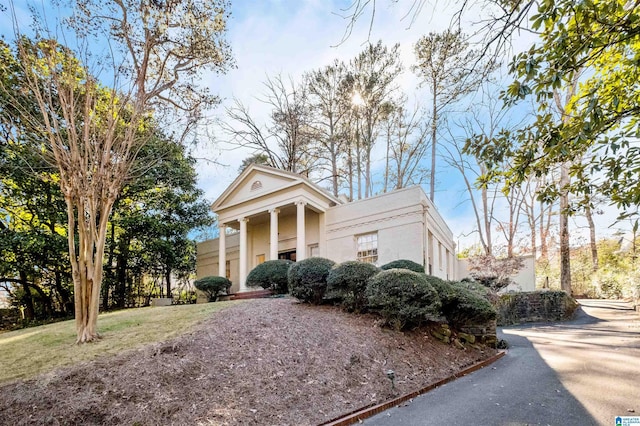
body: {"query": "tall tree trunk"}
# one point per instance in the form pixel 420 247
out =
pixel 167 276
pixel 359 164
pixel 334 168
pixel 565 250
pixel 592 238
pixel 434 128
pixel 87 260
pixel 121 273
pixel 106 285
pixel 531 217
pixel 544 231
pixel 67 304
pixel 486 216
pixel 350 168
pixel 27 299
pixel 386 165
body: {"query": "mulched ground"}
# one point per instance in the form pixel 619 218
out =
pixel 263 362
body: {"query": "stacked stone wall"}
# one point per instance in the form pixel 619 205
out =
pixel 535 306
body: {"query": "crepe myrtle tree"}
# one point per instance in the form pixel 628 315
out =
pixel 92 133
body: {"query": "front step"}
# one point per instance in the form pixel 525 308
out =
pixel 258 294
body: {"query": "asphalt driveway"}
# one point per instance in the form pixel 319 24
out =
pixel 582 372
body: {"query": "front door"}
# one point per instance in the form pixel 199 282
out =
pixel 288 255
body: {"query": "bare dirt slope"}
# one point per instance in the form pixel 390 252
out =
pixel 263 362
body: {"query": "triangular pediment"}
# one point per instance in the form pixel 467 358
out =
pixel 255 182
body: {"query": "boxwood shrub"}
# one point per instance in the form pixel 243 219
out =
pixel 271 275
pixel 308 279
pixel 462 306
pixel 403 298
pixel 403 264
pixel 213 286
pixel 347 283
pixel 463 303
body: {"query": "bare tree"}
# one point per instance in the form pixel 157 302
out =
pixel 285 138
pixel 373 81
pixel 445 61
pixel 330 98
pixel 92 134
pixel 406 147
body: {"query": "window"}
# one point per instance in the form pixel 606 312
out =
pixel 259 259
pixel 440 255
pixel 314 250
pixel 227 269
pixel 367 248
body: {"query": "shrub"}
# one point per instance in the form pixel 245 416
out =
pixel 463 306
pixel 271 275
pixel 347 282
pixel 308 279
pixel 403 297
pixel 213 286
pixel 485 292
pixel 403 264
pixel 463 303
pixel 609 285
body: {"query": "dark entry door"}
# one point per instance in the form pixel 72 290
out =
pixel 288 255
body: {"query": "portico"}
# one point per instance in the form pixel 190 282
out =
pixel 275 214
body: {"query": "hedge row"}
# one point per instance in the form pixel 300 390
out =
pixel 399 291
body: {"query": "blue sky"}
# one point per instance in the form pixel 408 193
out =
pixel 290 37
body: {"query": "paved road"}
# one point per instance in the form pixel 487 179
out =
pixel 582 372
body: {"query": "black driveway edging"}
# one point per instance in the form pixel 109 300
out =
pixel 365 412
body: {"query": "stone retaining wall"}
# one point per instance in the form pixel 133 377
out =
pixel 533 306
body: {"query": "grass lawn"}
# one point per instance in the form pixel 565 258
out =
pixel 28 352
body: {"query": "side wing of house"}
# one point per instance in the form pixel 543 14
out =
pixel 401 224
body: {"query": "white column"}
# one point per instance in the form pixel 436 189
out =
pixel 222 251
pixel 301 243
pixel 243 253
pixel 273 253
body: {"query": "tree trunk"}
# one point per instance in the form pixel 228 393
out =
pixel 121 273
pixel 486 216
pixel 544 231
pixel 106 287
pixel 64 294
pixel 565 251
pixel 167 276
pixel 434 128
pixel 334 168
pixel 27 299
pixel 592 238
pixel 350 168
pixel 87 260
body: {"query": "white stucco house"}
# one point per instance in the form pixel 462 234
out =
pixel 281 215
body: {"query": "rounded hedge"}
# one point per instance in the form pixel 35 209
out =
pixel 308 279
pixel 463 303
pixel 213 286
pixel 347 283
pixel 271 275
pixel 403 264
pixel 403 298
pixel 463 306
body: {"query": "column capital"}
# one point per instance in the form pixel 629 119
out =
pixel 301 203
pixel 274 211
pixel 243 219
